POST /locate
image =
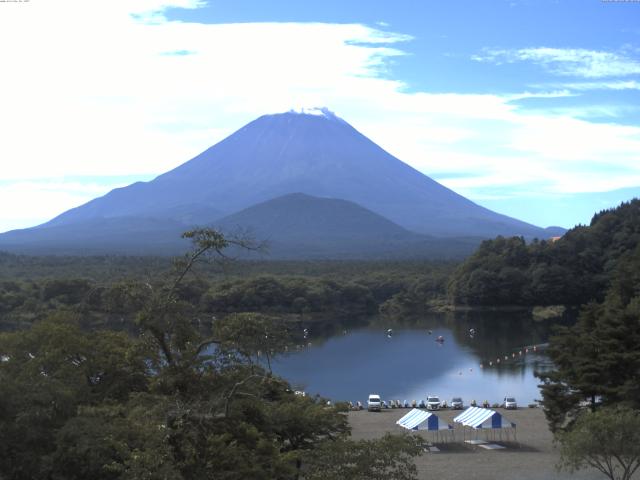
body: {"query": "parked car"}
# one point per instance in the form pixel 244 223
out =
pixel 374 404
pixel 510 403
pixel 456 403
pixel 433 403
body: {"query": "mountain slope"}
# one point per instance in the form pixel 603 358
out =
pixel 294 226
pixel 122 235
pixel 319 155
pixel 301 226
pixel 298 216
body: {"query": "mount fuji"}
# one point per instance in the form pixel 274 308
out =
pixel 310 152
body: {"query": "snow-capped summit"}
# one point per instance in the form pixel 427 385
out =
pixel 309 151
pixel 316 111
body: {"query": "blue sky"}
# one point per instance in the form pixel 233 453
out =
pixel 528 107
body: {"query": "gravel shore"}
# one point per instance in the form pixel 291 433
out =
pixel 532 457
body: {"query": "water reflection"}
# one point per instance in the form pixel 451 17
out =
pixel 410 363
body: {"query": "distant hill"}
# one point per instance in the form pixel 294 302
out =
pixel 302 226
pixel 573 270
pixel 315 153
pixel 294 226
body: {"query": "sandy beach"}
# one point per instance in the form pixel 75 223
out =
pixel 532 457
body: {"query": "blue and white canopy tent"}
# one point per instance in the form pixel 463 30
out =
pixel 421 420
pixel 488 421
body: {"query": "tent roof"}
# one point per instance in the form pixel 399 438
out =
pixel 421 420
pixel 476 417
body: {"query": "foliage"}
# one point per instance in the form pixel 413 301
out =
pixel 252 335
pixel 598 357
pixel 291 295
pixel 111 297
pixel 574 270
pixel 47 373
pixel 389 457
pixel 182 395
pixel 607 440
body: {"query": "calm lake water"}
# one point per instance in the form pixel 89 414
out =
pixel 411 364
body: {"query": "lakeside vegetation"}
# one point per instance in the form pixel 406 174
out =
pixel 164 357
pixel 108 291
pixel 573 270
pixel 177 400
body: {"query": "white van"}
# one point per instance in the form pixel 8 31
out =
pixel 374 403
pixel 433 402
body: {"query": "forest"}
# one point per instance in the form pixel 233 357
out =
pixel 171 394
pixel 108 291
pixel 123 368
pixel 575 269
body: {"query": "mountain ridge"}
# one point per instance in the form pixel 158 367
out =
pixel 296 152
pixel 316 154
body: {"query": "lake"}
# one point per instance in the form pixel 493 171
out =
pixel 411 364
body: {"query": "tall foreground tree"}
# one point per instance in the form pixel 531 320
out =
pixel 184 399
pixel 607 440
pixel 598 358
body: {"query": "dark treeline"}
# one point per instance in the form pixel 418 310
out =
pixel 597 359
pixel 101 289
pixel 108 268
pixel 573 270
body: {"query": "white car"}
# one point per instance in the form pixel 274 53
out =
pixel 456 403
pixel 433 403
pixel 374 403
pixel 510 403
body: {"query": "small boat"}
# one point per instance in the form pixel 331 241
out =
pixel 440 339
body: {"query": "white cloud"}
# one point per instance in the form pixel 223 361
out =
pixel 611 85
pixel 92 90
pixel 97 96
pixel 576 62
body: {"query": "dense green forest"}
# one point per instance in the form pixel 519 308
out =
pixel 184 397
pixel 598 357
pixel 573 270
pixel 108 291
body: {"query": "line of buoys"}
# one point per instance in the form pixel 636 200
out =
pixel 533 348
